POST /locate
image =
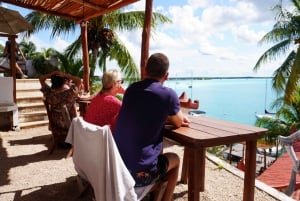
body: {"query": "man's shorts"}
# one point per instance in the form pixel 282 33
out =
pixel 146 178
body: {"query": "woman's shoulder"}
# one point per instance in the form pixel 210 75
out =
pixel 110 99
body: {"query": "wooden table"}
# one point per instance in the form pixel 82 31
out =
pixel 207 132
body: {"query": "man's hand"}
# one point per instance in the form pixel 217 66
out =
pixel 186 122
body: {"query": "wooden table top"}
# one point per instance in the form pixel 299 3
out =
pixel 206 132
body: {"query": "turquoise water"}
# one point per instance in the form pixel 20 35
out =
pixel 235 100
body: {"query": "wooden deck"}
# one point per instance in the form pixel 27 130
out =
pixel 278 174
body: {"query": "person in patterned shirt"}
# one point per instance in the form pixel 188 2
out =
pixel 62 98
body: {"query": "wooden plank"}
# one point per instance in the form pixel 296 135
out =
pixel 221 123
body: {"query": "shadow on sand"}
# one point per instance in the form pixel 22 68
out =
pixel 8 162
pixel 65 191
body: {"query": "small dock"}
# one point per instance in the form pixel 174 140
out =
pixel 238 152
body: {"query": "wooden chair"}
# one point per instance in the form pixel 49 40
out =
pixel 58 133
pixel 157 191
pixel 97 162
pixel 287 142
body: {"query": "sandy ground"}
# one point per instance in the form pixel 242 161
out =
pixel 29 173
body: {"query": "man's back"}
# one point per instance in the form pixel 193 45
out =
pixel 139 127
pixel 146 107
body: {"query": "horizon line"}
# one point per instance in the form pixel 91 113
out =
pixel 219 77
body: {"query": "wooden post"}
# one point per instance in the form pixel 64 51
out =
pixel 85 54
pixel 145 36
pixel 12 62
pixel 230 153
pixel 250 163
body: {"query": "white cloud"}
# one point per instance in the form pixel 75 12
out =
pixel 245 35
pixel 216 40
pixel 206 38
pixel 198 4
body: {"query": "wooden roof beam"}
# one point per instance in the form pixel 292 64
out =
pixel 41 9
pixel 90 5
pixel 109 9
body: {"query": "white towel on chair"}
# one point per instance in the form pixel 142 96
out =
pixel 97 159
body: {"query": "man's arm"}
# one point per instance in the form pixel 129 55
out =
pixel 43 78
pixel 22 55
pixel 178 120
pixel 76 80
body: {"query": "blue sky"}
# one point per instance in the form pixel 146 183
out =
pixel 205 38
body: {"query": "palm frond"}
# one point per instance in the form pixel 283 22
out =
pixel 296 3
pixel 273 53
pixel 58 26
pixel 74 49
pixel 282 73
pixel 119 53
pixel 128 21
pixel 293 78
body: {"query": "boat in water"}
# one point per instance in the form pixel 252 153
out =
pixel 196 112
pixel 261 116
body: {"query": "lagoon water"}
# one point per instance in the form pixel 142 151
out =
pixel 237 99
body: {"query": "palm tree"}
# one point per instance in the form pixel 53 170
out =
pixel 287 118
pixel 45 61
pixel 102 39
pixel 71 66
pixel 286 35
pixel 28 48
pixel 1 48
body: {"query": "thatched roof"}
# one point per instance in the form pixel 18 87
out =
pixel 78 10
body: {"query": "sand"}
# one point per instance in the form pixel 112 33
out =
pixel 29 173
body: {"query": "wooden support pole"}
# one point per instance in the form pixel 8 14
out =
pixel 146 36
pixel 85 54
pixel 12 62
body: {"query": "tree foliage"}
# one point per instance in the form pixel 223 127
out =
pixel 287 119
pixel 103 42
pixel 286 36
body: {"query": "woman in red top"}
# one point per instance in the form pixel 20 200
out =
pixel 104 107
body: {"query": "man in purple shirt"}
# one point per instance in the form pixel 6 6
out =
pixel 147 106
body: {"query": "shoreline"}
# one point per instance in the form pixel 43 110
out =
pixel 212 78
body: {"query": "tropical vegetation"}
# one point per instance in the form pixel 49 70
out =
pixel 286 36
pixel 103 43
pixel 286 121
pixel 1 48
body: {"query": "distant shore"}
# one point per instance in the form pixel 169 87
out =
pixel 210 78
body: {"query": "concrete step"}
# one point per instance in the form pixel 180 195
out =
pixel 32 112
pixel 33 124
pixel 28 84
pixel 32 116
pixel 31 100
pixel 29 94
pixel 31 107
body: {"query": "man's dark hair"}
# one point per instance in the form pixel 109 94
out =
pixel 157 65
pixel 57 81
